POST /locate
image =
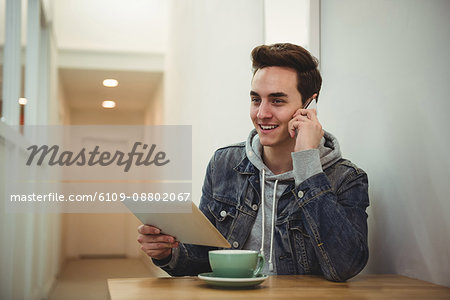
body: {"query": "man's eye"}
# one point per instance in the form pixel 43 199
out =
pixel 277 101
pixel 256 100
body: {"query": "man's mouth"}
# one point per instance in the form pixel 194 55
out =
pixel 267 127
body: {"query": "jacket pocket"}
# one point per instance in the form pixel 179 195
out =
pixel 224 215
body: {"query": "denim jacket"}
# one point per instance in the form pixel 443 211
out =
pixel 325 233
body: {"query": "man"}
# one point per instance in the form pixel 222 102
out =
pixel 286 191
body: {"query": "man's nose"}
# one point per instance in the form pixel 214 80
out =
pixel 264 111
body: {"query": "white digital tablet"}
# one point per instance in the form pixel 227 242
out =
pixel 188 228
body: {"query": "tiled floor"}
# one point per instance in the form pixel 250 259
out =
pixel 86 278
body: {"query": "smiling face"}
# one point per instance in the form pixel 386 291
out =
pixel 274 100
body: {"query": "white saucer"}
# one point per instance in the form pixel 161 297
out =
pixel 232 282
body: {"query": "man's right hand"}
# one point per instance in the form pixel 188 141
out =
pixel 155 244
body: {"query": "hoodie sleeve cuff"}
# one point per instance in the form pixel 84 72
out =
pixel 305 164
pixel 170 262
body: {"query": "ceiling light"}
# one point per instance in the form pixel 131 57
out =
pixel 109 104
pixel 22 101
pixel 110 82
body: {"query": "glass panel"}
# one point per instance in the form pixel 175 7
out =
pixel 2 43
pixel 23 44
pixel 11 76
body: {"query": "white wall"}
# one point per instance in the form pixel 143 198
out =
pixel 286 21
pixel 208 73
pixel 56 103
pixel 154 111
pixel 63 108
pixel 386 70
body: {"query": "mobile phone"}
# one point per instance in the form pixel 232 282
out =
pixel 312 104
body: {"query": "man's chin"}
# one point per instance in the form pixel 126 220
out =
pixel 266 142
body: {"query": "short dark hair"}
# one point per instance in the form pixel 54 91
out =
pixel 291 56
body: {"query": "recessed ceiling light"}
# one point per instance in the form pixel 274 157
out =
pixel 22 101
pixel 110 82
pixel 109 104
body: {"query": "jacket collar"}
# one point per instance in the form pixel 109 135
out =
pixel 245 167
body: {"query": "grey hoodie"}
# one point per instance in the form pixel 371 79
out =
pixel 305 164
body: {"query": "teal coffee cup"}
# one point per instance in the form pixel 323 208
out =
pixel 236 263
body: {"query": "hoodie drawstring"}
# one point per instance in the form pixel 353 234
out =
pixel 263 218
pixel 263 212
pixel 273 224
